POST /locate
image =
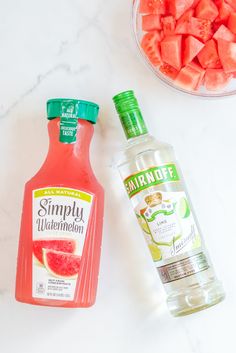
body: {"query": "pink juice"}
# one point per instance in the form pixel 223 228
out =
pixel 62 219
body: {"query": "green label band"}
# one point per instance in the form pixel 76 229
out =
pixel 151 177
pixel 164 212
pixel 54 191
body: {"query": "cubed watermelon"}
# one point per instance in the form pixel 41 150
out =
pixel 151 22
pixel 200 28
pixel 168 23
pixel 192 47
pixel 224 33
pixel 208 56
pixel 231 3
pixel 188 78
pixel 232 22
pixel 227 54
pixel 216 79
pixel 195 3
pixel 168 71
pixel 171 49
pixel 183 22
pixel 153 6
pixel 201 71
pixel 207 9
pixel 151 47
pixel 178 7
pixel 224 12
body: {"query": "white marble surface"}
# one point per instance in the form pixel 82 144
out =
pixel 85 49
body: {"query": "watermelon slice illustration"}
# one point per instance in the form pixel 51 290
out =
pixel 60 264
pixel 64 245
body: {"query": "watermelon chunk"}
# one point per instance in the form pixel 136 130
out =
pixel 171 51
pixel 183 22
pixel 201 71
pixel 232 22
pixel 188 78
pixel 207 9
pixel 151 47
pixel 186 16
pixel 224 33
pixel 153 6
pixel 208 56
pixel 151 22
pixel 195 2
pixel 231 3
pixel 192 47
pixel 224 12
pixel 227 54
pixel 216 79
pixel 178 7
pixel 169 71
pixel 196 27
pixel 200 28
pixel 168 24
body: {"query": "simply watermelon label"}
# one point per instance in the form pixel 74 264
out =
pixel 60 221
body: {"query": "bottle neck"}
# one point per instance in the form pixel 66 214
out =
pixel 65 156
pixel 133 124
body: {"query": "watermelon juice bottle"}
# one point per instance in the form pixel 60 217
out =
pixel 154 183
pixel 61 227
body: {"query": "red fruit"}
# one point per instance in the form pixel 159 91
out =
pixel 192 47
pixel 60 264
pixel 216 79
pixel 201 71
pixel 168 23
pixel 188 78
pixel 153 6
pixel 224 33
pixel 151 22
pixel 151 47
pixel 195 2
pixel 227 54
pixel 232 22
pixel 224 12
pixel 159 35
pixel 63 244
pixel 208 56
pixel 183 22
pixel 186 16
pixel 199 28
pixel 178 7
pixel 206 9
pixel 171 51
pixel 231 3
pixel 169 71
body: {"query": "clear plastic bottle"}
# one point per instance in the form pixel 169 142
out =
pixel 154 182
pixel 62 218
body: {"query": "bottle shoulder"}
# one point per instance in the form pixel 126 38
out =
pixel 142 146
pixel 84 179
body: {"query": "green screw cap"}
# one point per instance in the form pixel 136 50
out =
pixel 130 115
pixel 72 108
pixel 69 111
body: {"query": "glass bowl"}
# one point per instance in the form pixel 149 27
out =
pixel 229 90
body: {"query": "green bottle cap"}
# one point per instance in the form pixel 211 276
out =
pixel 69 111
pixel 130 115
pixel 72 107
